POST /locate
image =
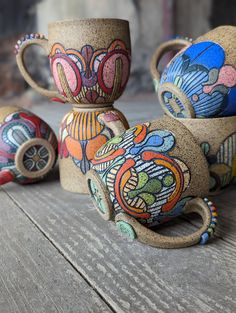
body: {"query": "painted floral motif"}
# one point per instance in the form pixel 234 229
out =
pixel 202 75
pixel 222 166
pixel 142 179
pixel 83 133
pixel 89 75
pixel 16 129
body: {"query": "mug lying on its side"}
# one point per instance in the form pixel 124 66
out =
pixel 200 81
pixel 149 174
pixel 28 146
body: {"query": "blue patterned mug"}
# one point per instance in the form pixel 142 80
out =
pixel 148 175
pixel 200 81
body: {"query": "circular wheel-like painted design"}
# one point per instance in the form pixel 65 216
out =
pixel 100 195
pixel 35 158
pixel 126 229
pixel 174 101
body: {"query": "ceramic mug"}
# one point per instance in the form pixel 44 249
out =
pixel 89 59
pixel 28 146
pixel 81 134
pixel 200 81
pixel 148 175
pixel 217 138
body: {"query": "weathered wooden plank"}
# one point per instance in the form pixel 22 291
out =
pixel 34 276
pixel 132 277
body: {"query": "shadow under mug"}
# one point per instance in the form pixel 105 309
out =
pixel 200 80
pixel 148 175
pixel 89 59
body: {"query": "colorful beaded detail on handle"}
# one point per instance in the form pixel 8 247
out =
pixel 26 38
pixel 211 229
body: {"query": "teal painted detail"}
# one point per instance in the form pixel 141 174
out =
pixel 156 84
pixel 205 147
pixel 126 229
pixel 97 197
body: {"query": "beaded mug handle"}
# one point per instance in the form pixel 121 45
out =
pixel 174 44
pixel 20 48
pixel 134 229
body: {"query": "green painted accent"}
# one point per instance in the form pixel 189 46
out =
pixel 156 84
pixel 212 182
pixel 115 140
pixel 205 146
pixel 97 197
pixel 210 231
pixel 166 99
pixel 126 229
pixel 153 186
pixel 142 179
pixel 148 198
pixel 168 180
pixel 178 81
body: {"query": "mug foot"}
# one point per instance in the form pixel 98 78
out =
pixel 100 195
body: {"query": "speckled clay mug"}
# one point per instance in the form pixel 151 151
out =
pixel 28 146
pixel 89 58
pixel 200 81
pixel 90 63
pixel 149 174
pixel 217 138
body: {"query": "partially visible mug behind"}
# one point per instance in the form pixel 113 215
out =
pixel 200 81
pixel 217 138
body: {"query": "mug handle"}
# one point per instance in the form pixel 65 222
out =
pixel 115 120
pixel 20 48
pixel 174 44
pixel 134 229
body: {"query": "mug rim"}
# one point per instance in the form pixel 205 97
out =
pixel 228 118
pixel 87 20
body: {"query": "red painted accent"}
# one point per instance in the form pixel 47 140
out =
pixel 118 190
pixel 57 100
pixel 74 68
pixel 109 157
pixel 142 135
pixel 7 155
pixel 35 120
pixel 6 177
pixel 101 69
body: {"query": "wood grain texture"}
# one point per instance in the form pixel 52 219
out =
pixel 132 277
pixel 34 276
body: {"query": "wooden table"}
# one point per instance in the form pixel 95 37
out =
pixel 58 255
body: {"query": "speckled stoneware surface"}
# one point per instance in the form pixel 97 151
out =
pixel 90 63
pixel 151 173
pixel 217 138
pixel 90 60
pixel 28 146
pixel 200 81
pixel 81 134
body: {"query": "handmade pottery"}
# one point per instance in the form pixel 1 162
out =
pixel 90 64
pixel 200 81
pixel 28 146
pixel 149 174
pixel 217 138
pixel 81 134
